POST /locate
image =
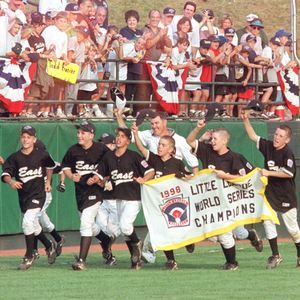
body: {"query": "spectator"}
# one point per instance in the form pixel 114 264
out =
pixel 167 18
pixel 14 34
pixel 226 23
pixel 208 27
pixel 15 10
pixel 53 5
pixel 103 3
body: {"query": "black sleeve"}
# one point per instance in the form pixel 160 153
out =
pixel 9 167
pixel 263 146
pixel 48 161
pixel 103 166
pixel 289 165
pixel 142 165
pixel 241 165
pixel 68 161
pixel 152 159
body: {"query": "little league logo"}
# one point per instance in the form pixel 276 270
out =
pixel 176 212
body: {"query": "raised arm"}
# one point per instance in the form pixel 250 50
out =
pixel 144 151
pixel 249 129
pixel 191 139
pixel 119 117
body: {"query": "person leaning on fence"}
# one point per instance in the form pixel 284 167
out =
pixel 280 169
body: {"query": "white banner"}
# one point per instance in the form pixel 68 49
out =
pixel 180 212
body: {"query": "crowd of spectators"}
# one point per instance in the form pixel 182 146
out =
pixel 194 38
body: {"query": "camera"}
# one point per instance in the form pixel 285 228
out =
pixel 116 37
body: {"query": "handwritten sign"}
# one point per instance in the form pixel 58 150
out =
pixel 59 69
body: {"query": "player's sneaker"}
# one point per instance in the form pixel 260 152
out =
pixel 136 266
pixel 26 263
pixel 298 262
pixel 35 255
pixel 136 252
pixel 109 259
pixel 148 257
pixel 257 243
pixel 171 265
pixel 51 253
pixel 230 266
pixel 190 248
pixel 79 264
pixel 59 246
pixel 274 261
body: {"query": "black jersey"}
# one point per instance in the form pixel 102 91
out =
pixel 230 162
pixel 37 43
pixel 85 162
pixel 30 170
pixel 280 192
pixel 170 166
pixel 122 171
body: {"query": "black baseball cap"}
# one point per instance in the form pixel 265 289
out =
pixel 126 131
pixel 36 18
pixel 29 130
pixel 86 126
pixel 169 11
pixel 72 7
pixel 143 114
pixel 229 31
pixel 205 44
pixel 107 138
pixel 254 105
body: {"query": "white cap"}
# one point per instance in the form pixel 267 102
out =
pixel 251 17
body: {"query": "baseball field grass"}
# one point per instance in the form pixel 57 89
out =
pixel 199 277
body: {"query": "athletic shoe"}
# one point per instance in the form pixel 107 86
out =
pixel 51 253
pixel 298 262
pixel 190 248
pixel 136 266
pixel 26 263
pixel 110 259
pixel 35 255
pixel 148 257
pixel 274 261
pixel 60 115
pixel 79 264
pixel 59 246
pixel 136 252
pixel 231 267
pixel 257 243
pixel 171 265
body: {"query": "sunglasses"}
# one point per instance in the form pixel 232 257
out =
pixel 255 27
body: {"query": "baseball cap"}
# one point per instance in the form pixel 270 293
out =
pixel 84 30
pixel 213 38
pixel 143 114
pixel 205 44
pixel 281 33
pixel 229 31
pixel 29 130
pixel 246 48
pixel 257 23
pixel 169 11
pixel 126 131
pixel 72 7
pixel 255 105
pixel 275 41
pixel 118 97
pixel 251 37
pixel 251 17
pixel 222 40
pixel 36 18
pixel 86 126
pixel 209 12
pixel 212 110
pixel 107 138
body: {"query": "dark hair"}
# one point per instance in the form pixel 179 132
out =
pixel 190 3
pixel 112 27
pixel 132 14
pixel 183 40
pixel 163 115
pixel 182 21
pixel 287 129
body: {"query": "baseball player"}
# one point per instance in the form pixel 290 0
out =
pixel 227 165
pixel 164 163
pixel 280 168
pixel 107 217
pixel 80 165
pixel 29 166
pixel 127 170
pixel 150 139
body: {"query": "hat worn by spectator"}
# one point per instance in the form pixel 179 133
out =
pixel 229 31
pixel 275 41
pixel 246 49
pixel 118 97
pixel 251 17
pixel 251 37
pixel 107 138
pixel 257 23
pixel 281 33
pixel 126 131
pixel 29 130
pixel 169 11
pixel 213 38
pixel 222 40
pixel 84 30
pixel 36 18
pixel 86 126
pixel 72 7
pixel 254 105
pixel 205 44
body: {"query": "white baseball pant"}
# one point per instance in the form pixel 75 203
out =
pixel 30 222
pixel 240 232
pixel 107 218
pixel 88 226
pixel 226 240
pixel 290 221
pixel 44 219
pixel 127 213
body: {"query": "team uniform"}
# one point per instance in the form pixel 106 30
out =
pixel 281 192
pixel 126 191
pixel 30 169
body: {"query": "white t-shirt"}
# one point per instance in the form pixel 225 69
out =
pixel 176 57
pixel 51 5
pixel 53 36
pixel 271 73
pixel 79 49
pixel 258 46
pixel 88 73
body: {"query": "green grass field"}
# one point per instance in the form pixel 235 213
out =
pixel 199 277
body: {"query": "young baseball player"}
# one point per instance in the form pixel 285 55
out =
pixel 227 165
pixel 107 217
pixel 280 168
pixel 80 165
pixel 29 166
pixel 164 163
pixel 127 170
